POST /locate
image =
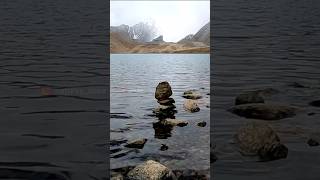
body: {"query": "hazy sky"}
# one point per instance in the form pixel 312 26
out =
pixel 174 19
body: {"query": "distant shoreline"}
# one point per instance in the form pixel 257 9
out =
pixel 176 48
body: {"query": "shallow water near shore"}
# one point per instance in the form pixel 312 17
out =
pixel 267 44
pixel 134 78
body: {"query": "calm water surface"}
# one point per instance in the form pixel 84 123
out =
pixel 133 82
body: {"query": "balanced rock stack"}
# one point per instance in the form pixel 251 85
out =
pixel 166 108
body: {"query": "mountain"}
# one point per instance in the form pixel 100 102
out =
pixel 122 30
pixel 139 39
pixel 141 32
pixel 159 39
pixel 203 36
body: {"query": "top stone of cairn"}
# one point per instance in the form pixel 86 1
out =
pixel 163 91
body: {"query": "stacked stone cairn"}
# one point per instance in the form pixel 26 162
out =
pixel 166 108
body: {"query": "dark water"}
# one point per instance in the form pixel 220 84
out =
pixel 53 89
pixel 133 81
pixel 260 44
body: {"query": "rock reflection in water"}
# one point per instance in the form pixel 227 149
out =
pixel 162 131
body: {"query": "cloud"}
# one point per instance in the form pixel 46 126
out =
pixel 174 19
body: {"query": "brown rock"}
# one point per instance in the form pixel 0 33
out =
pixel 163 91
pixel 138 143
pixel 257 138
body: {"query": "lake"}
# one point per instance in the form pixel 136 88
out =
pixel 53 90
pixel 133 80
pixel 266 44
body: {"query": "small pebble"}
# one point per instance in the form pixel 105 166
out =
pixel 202 124
pixel 164 147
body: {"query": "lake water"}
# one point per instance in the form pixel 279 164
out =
pixel 134 78
pixel 266 44
pixel 53 78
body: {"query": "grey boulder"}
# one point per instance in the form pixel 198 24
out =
pixel 258 138
pixel 150 170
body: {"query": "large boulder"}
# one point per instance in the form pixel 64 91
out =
pixel 150 170
pixel 257 138
pixel 163 91
pixel 264 111
pixel 191 105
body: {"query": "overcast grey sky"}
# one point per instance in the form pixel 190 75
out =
pixel 174 19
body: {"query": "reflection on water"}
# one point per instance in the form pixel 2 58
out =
pixel 133 82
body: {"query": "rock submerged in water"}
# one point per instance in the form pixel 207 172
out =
pixel 173 122
pixel 202 124
pixel 213 157
pixel 313 142
pixel 249 97
pixel 191 105
pixel 315 103
pixel 190 174
pixel 256 96
pixel 191 94
pixel 165 111
pixel 150 170
pixel 164 147
pixel 257 138
pixel 138 143
pixel 162 131
pixel 264 111
pixel 163 91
